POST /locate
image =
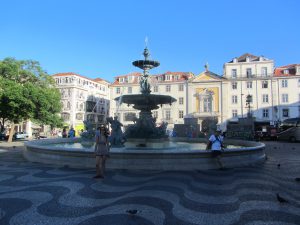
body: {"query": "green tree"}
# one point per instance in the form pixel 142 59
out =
pixel 28 92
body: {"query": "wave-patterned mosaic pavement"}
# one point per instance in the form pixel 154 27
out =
pixel 32 193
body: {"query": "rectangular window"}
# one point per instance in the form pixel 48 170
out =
pixel 155 89
pixel 180 87
pixel 168 114
pixel 180 100
pixel 249 72
pixel 234 85
pixel 284 83
pixel 168 77
pixel 233 73
pixel 180 114
pixel 265 113
pixel 298 82
pixel 155 114
pixel 249 84
pixel 129 90
pixel 234 113
pixel 168 88
pixel 265 98
pixel 285 112
pixel 118 90
pixel 234 99
pixel 285 98
pixel 264 84
pixel 264 71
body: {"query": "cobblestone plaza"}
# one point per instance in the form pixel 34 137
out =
pixel 32 193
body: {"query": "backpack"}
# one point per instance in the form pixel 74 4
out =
pixel 210 143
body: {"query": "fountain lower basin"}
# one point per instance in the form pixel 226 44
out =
pixel 184 157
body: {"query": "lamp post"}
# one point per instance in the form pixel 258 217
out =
pixel 242 113
pixel 248 102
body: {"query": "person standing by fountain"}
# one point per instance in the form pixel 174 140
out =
pixel 215 143
pixel 101 150
pixel 64 133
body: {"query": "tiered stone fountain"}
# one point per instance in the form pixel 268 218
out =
pixel 145 126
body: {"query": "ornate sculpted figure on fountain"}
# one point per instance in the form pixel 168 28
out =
pixel 89 133
pixel 145 86
pixel 117 138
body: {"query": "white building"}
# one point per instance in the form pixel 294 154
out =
pixel 287 99
pixel 250 75
pixel 275 93
pixel 83 99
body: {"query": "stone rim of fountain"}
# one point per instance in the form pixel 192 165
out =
pixel 175 159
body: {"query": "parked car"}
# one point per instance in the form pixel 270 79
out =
pixel 20 135
pixel 3 136
pixel 289 130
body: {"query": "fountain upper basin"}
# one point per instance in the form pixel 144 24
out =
pixel 150 101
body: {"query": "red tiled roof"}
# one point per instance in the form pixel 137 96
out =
pixel 289 66
pixel 130 74
pixel 279 71
pixel 252 58
pixel 78 75
pixel 100 80
pixel 183 76
pixel 135 74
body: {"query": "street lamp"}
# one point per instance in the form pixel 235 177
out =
pixel 248 102
pixel 242 105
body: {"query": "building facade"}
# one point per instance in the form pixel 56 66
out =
pixel 250 76
pixel 250 84
pixel 287 102
pixel 83 99
pixel 206 97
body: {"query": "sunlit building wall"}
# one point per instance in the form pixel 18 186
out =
pixel 83 99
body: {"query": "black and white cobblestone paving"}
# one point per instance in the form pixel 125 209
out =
pixel 32 193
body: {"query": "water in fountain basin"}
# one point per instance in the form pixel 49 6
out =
pixel 171 146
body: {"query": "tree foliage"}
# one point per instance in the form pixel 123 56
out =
pixel 28 92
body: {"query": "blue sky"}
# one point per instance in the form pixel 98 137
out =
pixel 102 38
